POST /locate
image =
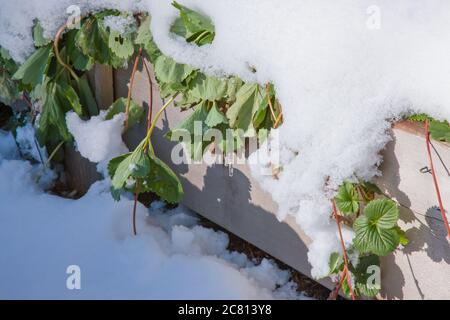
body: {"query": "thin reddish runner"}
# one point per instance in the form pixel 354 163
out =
pixel 433 173
pixel 345 273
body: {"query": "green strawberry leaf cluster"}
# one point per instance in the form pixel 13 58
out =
pixel 374 219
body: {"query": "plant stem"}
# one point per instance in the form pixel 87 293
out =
pixel 58 55
pixel 136 195
pixel 53 153
pixel 433 173
pixel 345 272
pixel 270 103
pixel 150 103
pixel 149 132
pixel 130 88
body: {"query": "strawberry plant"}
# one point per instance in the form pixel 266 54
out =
pixel 55 78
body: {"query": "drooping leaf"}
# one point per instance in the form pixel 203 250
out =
pixel 136 165
pixel 145 38
pixel 38 35
pixel 33 70
pixel 79 60
pixel 193 26
pixel 194 126
pixel 86 96
pixel 52 119
pixel 169 71
pixel 208 88
pixel 240 114
pixel 335 262
pixel 347 198
pixel 68 97
pixel 233 86
pixel 135 112
pixel 93 40
pixel 162 181
pixel 215 117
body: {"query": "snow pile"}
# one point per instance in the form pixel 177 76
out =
pixel 29 147
pixel 17 19
pixel 342 70
pixel 97 139
pixel 340 80
pixel 172 257
pixel 123 25
pixel 8 147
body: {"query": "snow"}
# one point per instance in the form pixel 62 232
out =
pixel 173 257
pixel 29 148
pixel 342 70
pixel 120 24
pixel 339 79
pixel 97 139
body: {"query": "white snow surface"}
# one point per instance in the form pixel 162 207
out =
pixel 342 71
pixel 172 257
pixel 97 139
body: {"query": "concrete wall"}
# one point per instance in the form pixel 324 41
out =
pixel 237 203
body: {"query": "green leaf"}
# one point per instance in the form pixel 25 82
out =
pixel 135 112
pixel 215 117
pixel 169 71
pixel 33 70
pixel 92 40
pixel 420 117
pixel 334 262
pixel 9 92
pixel 241 113
pixel 233 86
pixel 163 181
pixel 38 35
pixel 382 212
pixel 135 165
pixel 86 96
pixel 374 231
pixel 145 38
pixel 68 97
pixel 208 88
pixel 122 47
pixel 52 119
pixel 114 163
pixel 402 235
pixel 79 60
pixel 440 130
pixel 197 146
pixel 347 198
pixel 193 26
pixel 364 275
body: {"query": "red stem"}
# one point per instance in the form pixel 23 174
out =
pixel 150 103
pixel 436 184
pixel 130 88
pixel 345 273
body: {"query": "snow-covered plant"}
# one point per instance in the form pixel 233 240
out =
pixel 374 221
pixel 55 77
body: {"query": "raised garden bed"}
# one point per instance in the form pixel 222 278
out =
pixel 238 204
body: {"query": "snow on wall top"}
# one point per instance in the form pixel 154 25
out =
pixel 341 69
